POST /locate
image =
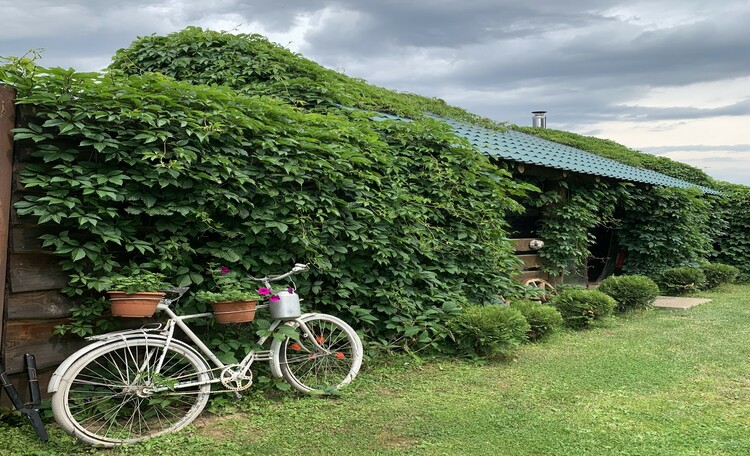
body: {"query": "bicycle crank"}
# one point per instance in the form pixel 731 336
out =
pixel 234 380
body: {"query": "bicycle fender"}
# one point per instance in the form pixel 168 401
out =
pixel 276 346
pixel 54 382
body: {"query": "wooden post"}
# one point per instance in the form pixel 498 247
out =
pixel 7 123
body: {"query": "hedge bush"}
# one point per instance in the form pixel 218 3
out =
pixel 493 331
pixel 680 280
pixel 719 274
pixel 543 319
pixel 733 243
pixel 580 308
pixel 630 291
pixel 676 229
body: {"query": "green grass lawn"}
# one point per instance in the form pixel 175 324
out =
pixel 653 383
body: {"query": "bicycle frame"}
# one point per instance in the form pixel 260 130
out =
pixel 167 334
pixel 179 321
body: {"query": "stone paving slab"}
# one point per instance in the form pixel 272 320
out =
pixel 678 303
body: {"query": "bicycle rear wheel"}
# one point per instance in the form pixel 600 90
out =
pixel 330 363
pixel 113 394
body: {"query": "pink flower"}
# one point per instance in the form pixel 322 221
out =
pixel 264 291
pixel 290 290
pixel 224 270
pixel 275 298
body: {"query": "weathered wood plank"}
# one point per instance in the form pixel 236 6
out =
pixel 531 260
pixel 35 337
pixel 25 239
pixel 38 305
pixel 17 168
pixel 7 123
pixel 526 275
pixel 522 244
pixel 35 272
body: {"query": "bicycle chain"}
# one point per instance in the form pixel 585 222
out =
pixel 230 389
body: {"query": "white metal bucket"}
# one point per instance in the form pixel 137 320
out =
pixel 287 307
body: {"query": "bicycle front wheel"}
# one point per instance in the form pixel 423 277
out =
pixel 115 395
pixel 330 360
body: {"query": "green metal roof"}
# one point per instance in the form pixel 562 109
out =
pixel 532 150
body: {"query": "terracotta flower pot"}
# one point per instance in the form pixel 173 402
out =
pixel 134 305
pixel 234 311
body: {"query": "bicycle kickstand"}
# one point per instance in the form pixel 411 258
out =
pixel 32 410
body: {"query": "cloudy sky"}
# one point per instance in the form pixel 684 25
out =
pixel 669 77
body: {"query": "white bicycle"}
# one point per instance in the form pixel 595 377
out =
pixel 132 385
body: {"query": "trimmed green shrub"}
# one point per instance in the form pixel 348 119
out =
pixel 493 331
pixel 630 291
pixel 677 281
pixel 580 308
pixel 543 319
pixel 719 274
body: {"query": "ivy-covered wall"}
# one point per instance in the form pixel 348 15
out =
pixel 732 241
pixel 402 223
pixel 666 228
pixel 252 64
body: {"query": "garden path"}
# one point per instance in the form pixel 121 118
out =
pixel 678 303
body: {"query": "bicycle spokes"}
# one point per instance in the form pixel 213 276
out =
pixel 322 357
pixel 118 395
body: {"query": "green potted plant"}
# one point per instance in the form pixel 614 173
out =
pixel 231 301
pixel 136 294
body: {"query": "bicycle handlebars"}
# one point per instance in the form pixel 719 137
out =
pixel 299 267
pixel 176 293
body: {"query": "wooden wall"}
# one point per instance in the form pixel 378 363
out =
pixel 31 280
pixel 7 121
pixel 532 262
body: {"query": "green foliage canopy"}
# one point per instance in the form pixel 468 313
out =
pixel 401 220
pixel 252 64
pixel 665 227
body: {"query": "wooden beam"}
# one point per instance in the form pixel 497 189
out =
pixel 531 260
pixel 7 123
pixel 522 244
pixel 25 239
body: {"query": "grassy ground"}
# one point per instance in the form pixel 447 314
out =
pixel 653 383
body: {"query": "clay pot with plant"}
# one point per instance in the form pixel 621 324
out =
pixel 136 294
pixel 231 301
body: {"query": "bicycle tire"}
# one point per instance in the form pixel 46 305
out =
pixel 308 369
pixel 102 398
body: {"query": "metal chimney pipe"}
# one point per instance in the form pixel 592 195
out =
pixel 539 120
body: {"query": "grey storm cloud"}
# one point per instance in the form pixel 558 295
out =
pixel 587 62
pixel 699 148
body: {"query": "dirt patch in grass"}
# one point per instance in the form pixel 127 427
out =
pixel 223 426
pixel 390 438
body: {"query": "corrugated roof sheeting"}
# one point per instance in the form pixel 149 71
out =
pixel 529 149
pixel 532 150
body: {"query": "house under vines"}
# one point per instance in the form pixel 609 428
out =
pixel 203 147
